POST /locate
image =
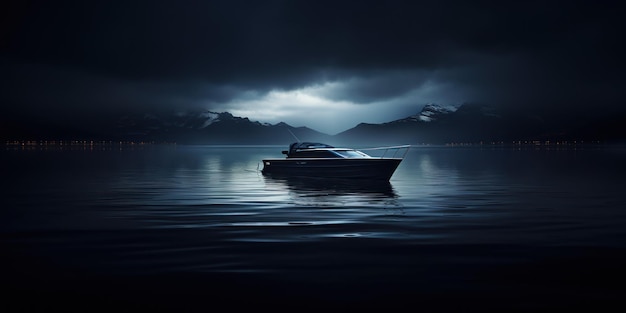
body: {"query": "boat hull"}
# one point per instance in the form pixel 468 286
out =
pixel 347 168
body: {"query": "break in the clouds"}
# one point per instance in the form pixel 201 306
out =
pixel 335 106
pixel 324 64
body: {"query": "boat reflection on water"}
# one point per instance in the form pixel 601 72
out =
pixel 334 192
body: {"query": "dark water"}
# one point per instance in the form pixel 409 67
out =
pixel 192 228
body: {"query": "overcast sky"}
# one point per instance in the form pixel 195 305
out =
pixel 324 64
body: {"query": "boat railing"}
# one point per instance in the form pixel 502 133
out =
pixel 404 149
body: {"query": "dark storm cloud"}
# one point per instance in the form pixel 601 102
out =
pixel 366 87
pixel 188 53
pixel 239 40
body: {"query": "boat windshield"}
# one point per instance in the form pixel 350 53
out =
pixel 351 154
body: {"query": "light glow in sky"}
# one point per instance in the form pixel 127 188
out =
pixel 318 106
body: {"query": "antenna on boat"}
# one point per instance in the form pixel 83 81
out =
pixel 294 136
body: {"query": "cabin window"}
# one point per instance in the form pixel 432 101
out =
pixel 352 154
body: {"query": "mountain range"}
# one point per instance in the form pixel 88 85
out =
pixel 209 128
pixel 434 124
pixel 475 123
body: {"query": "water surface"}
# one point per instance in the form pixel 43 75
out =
pixel 455 227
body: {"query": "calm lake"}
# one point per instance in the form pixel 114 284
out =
pixel 196 228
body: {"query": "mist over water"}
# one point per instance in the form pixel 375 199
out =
pixel 488 227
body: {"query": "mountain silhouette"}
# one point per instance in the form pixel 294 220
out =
pixel 434 124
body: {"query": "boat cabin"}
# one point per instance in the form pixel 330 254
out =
pixel 321 150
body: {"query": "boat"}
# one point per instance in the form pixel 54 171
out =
pixel 319 160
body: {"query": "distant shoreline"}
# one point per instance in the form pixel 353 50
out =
pixel 107 144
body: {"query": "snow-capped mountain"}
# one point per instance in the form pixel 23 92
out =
pixel 430 112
